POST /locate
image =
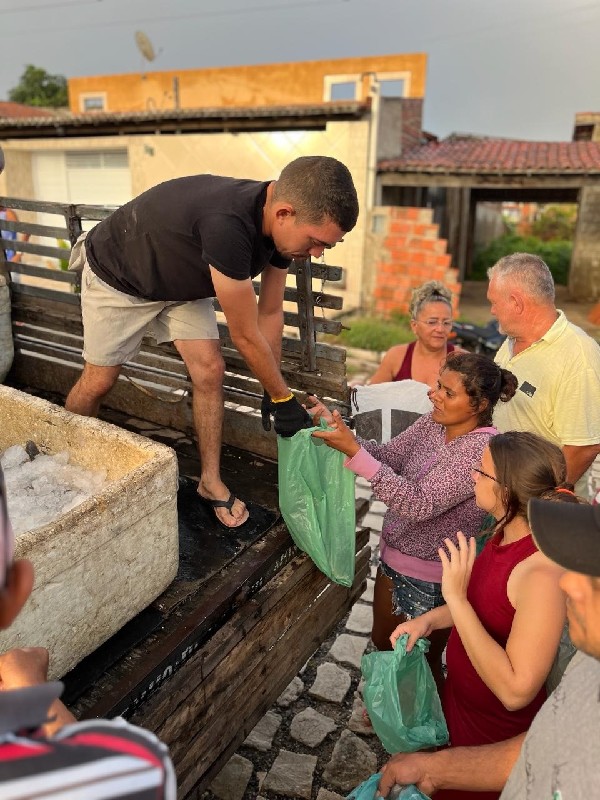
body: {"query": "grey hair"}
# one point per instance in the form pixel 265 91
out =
pixel 430 292
pixel 529 271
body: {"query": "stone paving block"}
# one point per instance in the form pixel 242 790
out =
pixel 331 684
pixel 378 507
pixel 310 728
pixel 362 482
pixel 291 693
pixel 352 762
pixel 261 736
pixel 231 782
pixel 367 595
pixel 357 722
pixel 374 521
pixel 291 775
pixel 348 649
pixel 363 492
pixel 374 539
pixel 373 570
pixel 361 618
pixel 324 794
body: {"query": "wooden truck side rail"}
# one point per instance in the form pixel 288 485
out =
pixel 203 663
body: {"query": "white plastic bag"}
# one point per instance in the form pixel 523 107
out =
pixel 384 410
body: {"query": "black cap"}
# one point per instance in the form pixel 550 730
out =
pixel 568 533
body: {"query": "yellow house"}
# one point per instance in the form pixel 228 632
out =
pixel 125 135
pixel 291 83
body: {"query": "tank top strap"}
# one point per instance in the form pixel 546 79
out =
pixel 405 371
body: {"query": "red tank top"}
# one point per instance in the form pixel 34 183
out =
pixel 473 713
pixel 405 371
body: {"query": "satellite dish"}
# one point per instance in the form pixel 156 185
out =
pixel 144 45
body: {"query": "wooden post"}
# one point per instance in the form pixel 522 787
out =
pixel 306 322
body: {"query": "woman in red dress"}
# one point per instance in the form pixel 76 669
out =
pixel 505 608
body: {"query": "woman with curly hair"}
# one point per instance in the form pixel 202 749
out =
pixel 423 475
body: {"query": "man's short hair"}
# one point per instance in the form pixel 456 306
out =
pixel 529 271
pixel 319 187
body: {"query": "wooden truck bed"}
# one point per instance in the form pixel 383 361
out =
pixel 203 663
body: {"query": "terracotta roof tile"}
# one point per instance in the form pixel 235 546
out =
pixel 470 154
pixel 11 110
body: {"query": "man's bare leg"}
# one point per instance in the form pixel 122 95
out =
pixel 93 385
pixel 205 364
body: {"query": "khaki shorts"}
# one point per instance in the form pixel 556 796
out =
pixel 114 323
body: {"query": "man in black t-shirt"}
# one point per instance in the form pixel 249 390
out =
pixel 154 265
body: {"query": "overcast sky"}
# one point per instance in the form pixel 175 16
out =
pixel 516 68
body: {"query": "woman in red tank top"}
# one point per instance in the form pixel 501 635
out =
pixel 505 608
pixel 431 322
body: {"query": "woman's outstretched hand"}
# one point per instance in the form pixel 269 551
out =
pixel 417 628
pixel 317 410
pixel 457 564
pixel 339 436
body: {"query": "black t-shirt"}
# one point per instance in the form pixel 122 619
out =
pixel 160 244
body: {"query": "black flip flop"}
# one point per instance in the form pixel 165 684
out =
pixel 228 504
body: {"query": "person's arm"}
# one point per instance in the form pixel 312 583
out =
pixel 515 674
pixel 421 627
pixel 28 666
pixel 238 301
pixel 485 768
pixel 270 308
pixel 390 364
pixel 579 459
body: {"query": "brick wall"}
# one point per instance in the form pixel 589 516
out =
pixel 407 252
pixel 412 123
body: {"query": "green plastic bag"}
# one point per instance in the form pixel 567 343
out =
pixel 402 699
pixel 316 498
pixel 368 790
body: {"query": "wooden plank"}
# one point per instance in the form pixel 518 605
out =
pixel 267 669
pixel 290 295
pixel 307 323
pixel 48 294
pixel 322 325
pixel 41 250
pixel 36 230
pixel 59 275
pixel 19 203
pixel 289 593
pixel 190 628
pixel 30 307
pixel 322 272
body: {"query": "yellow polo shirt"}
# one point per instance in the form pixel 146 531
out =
pixel 559 386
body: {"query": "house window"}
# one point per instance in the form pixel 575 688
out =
pixel 340 87
pixel 391 88
pixel 393 84
pixel 93 102
pixel 343 91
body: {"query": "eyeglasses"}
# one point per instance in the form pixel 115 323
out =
pixel 479 471
pixel 435 323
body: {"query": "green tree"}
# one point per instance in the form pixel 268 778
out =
pixel 37 87
pixel 556 223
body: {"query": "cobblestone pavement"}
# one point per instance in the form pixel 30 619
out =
pixel 313 742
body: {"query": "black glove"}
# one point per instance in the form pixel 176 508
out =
pixel 267 410
pixel 290 417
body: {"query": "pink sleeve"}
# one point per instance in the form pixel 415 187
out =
pixel 363 464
